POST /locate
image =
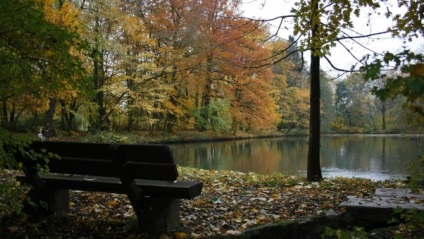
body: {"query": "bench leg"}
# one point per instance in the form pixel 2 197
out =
pixel 56 202
pixel 159 215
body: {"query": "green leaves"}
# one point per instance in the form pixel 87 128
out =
pixel 408 82
pixel 36 51
pixel 373 71
pixel 330 18
pixel 409 23
pixel 405 61
pixel 416 171
pixel 36 62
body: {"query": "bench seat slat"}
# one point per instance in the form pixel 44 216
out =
pixel 178 189
pixel 151 188
pixel 153 171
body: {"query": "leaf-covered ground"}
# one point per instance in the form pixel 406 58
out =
pixel 231 202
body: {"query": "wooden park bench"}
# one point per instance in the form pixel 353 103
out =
pixel 146 173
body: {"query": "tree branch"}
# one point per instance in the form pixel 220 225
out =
pixel 347 37
pixel 361 44
pixel 269 19
pixel 280 52
pixel 336 68
pixel 350 52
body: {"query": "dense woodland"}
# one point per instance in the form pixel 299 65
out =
pixel 169 66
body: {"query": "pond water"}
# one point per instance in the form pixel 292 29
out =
pixel 364 156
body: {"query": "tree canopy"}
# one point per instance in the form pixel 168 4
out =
pixel 39 61
pixel 165 66
pixel 319 24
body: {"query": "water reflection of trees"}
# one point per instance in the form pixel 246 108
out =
pixel 370 153
pixel 288 155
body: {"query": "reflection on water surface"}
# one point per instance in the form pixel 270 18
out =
pixel 365 156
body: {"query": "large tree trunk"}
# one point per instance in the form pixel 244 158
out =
pixel 314 166
pixel 101 122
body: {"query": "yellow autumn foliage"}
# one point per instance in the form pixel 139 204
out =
pixel 65 15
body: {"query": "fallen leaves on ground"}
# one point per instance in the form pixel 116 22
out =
pixel 230 203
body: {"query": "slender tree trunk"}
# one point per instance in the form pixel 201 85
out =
pixel 12 117
pixel 101 122
pixel 49 129
pixel 68 115
pixel 4 121
pixel 206 96
pixel 204 113
pixel 314 165
pixel 370 113
pixel 383 114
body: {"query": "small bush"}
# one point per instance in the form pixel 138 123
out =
pixel 417 174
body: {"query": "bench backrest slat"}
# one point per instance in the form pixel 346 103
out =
pixel 78 157
pixel 149 161
pixel 83 166
pixel 75 149
pixel 147 153
pixel 152 162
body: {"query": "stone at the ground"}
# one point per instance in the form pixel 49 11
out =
pixel 386 199
pixel 377 211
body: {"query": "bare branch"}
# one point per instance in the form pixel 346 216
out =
pixel 339 76
pixel 279 27
pixel 350 52
pixel 336 68
pixel 269 19
pixel 262 21
pixel 361 45
pixel 348 37
pixel 280 52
